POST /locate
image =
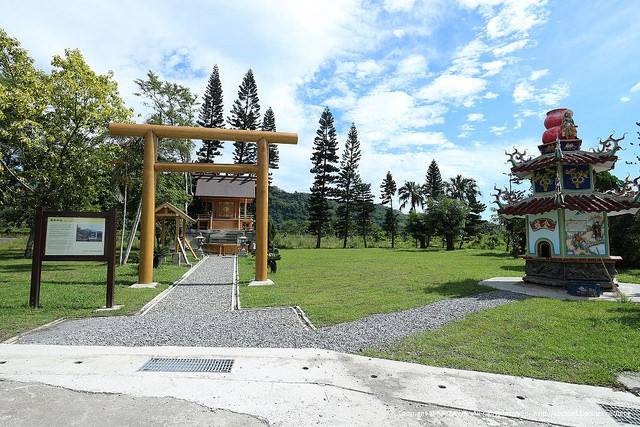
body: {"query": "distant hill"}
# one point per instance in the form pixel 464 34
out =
pixel 284 206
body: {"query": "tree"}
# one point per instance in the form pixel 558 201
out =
pixel 364 207
pixel 211 117
pixel 433 186
pixel 411 193
pixel 269 125
pixel 173 105
pixel 55 147
pixel 466 190
pixel 448 215
pixel 347 178
pixel 324 159
pixel 387 191
pixel 245 115
pixel 421 227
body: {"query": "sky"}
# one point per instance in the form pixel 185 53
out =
pixel 455 81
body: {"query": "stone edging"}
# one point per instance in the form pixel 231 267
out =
pixel 235 302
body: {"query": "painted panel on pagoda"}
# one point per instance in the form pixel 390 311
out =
pixel 586 234
pixel 544 227
pixel 576 177
pixel 544 180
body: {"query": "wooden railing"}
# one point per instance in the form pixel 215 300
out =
pixel 205 222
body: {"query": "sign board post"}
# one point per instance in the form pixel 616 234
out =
pixel 73 236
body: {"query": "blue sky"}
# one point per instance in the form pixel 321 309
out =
pixel 455 81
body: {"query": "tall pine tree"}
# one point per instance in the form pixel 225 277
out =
pixel 364 207
pixel 347 177
pixel 433 187
pixel 387 191
pixel 211 117
pixel 269 125
pixel 324 159
pixel 245 115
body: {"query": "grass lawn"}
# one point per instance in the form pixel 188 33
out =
pixel 341 285
pixel 68 289
pixel 585 342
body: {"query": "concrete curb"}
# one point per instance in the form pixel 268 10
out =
pixel 235 303
pixel 30 331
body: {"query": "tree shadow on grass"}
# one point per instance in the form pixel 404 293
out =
pixel 519 268
pixel 460 288
pixel 495 254
pixel 11 254
pixel 628 314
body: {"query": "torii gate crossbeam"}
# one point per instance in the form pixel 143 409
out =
pixel 152 133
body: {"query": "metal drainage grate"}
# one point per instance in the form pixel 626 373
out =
pixel 187 365
pixel 623 414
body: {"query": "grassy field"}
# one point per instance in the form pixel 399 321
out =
pixel 585 342
pixel 68 289
pixel 340 285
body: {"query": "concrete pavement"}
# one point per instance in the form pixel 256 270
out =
pixel 283 387
pixel 517 285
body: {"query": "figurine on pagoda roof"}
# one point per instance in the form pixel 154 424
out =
pixel 567 227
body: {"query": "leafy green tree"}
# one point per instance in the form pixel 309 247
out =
pixel 245 115
pixel 433 187
pixel 411 193
pixel 363 198
pixel 54 141
pixel 324 160
pixel 420 226
pixel 387 191
pixel 347 178
pixel 172 105
pixel 449 216
pixel 211 116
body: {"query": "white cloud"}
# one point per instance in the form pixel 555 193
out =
pixel 625 99
pixel 493 67
pixel 475 117
pixel 498 130
pixel 517 17
pixel 550 96
pixel 518 124
pixel 491 95
pixel 414 64
pixel 368 68
pixel 635 88
pixel 398 5
pixel 454 88
pixel 399 33
pixel 535 75
pixel 510 47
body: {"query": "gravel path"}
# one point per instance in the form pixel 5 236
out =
pixel 198 312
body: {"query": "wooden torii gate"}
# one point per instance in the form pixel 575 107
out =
pixel 152 133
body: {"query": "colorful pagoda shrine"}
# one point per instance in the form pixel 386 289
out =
pixel 566 218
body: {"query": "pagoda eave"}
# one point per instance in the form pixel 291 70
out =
pixel 594 202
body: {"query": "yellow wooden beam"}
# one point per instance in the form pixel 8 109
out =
pixel 147 224
pixel 128 129
pixel 205 167
pixel 262 210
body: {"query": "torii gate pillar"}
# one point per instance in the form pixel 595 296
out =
pixel 151 133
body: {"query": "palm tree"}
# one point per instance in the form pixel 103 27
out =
pixel 461 188
pixel 411 193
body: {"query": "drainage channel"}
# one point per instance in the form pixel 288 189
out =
pixel 187 365
pixel 623 414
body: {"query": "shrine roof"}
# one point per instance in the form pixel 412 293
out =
pixel 594 202
pixel 167 210
pixel 601 161
pixel 226 186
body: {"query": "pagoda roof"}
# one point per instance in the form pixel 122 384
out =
pixel 593 202
pixel 600 161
